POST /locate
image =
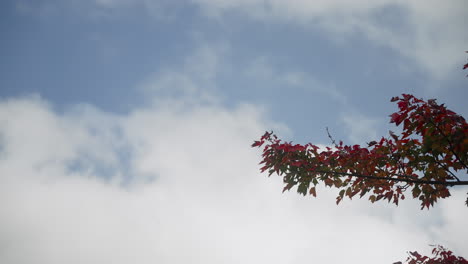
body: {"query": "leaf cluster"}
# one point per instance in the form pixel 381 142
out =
pixel 440 254
pixel 424 159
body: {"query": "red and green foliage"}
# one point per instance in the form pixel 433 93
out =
pixel 424 159
pixel 440 254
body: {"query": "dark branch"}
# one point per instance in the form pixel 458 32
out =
pixel 445 168
pixel 451 148
pixel 445 183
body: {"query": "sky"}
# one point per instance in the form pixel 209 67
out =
pixel 126 125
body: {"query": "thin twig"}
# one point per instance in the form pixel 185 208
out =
pixel 331 138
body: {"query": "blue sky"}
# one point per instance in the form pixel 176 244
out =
pixel 140 114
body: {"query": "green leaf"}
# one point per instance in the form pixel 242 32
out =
pixel 342 192
pixel 416 191
pixel 302 188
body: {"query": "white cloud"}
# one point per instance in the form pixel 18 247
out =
pixel 207 202
pixel 175 181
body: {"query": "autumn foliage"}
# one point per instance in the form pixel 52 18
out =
pixel 426 158
pixel 440 254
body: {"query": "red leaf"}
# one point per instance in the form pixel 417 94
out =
pixel 288 187
pixel 313 192
pixel 403 105
pixel 396 118
pixel 257 144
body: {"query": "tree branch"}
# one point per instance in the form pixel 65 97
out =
pixel 331 138
pixel 445 183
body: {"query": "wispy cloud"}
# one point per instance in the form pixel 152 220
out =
pixel 262 69
pixel 196 78
pixel 430 33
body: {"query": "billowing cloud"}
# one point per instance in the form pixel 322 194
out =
pixel 176 182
